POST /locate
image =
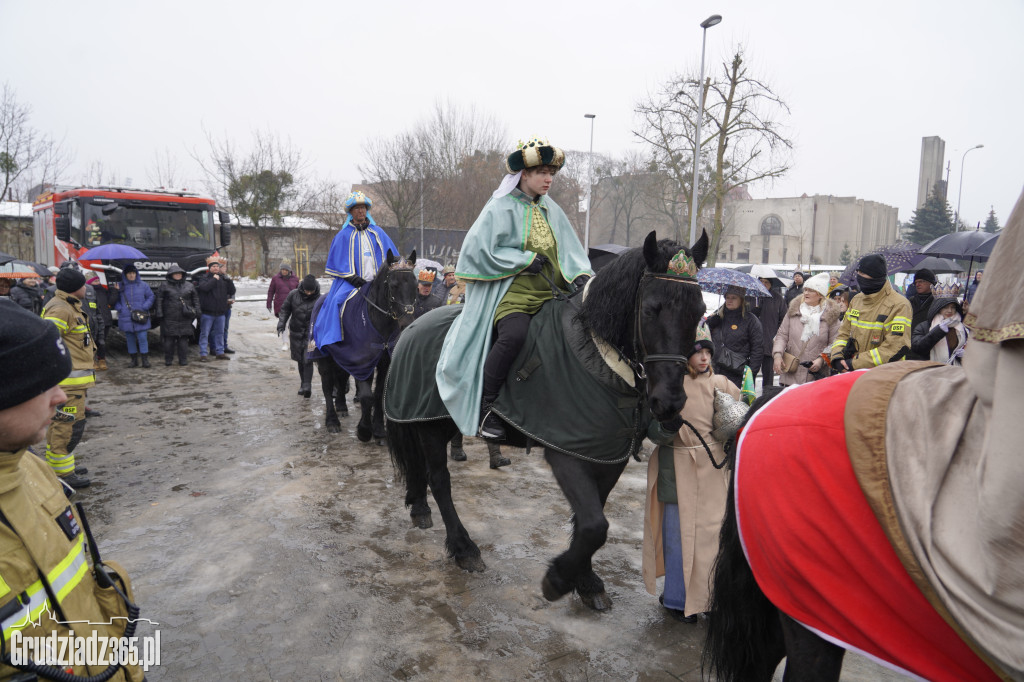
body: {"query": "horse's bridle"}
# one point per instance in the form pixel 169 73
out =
pixel 406 309
pixel 643 358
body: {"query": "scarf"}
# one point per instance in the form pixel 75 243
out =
pixel 954 337
pixel 811 318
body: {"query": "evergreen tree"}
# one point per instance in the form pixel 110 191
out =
pixel 992 224
pixel 846 257
pixel 932 220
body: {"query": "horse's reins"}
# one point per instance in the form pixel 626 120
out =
pixel 393 314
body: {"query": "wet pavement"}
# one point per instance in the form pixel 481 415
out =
pixel 269 549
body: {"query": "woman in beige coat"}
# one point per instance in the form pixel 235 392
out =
pixel 686 495
pixel 808 330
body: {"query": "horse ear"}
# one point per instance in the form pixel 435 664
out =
pixel 412 257
pixel 651 250
pixel 699 251
pixel 392 258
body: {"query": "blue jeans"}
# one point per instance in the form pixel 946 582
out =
pixel 206 324
pixel 138 342
pixel 675 579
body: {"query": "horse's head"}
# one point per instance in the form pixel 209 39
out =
pixel 647 303
pixel 399 287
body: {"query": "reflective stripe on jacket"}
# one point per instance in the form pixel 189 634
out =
pixel 879 326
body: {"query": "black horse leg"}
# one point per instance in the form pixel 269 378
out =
pixel 377 421
pixel 458 544
pixel 325 368
pixel 586 487
pixel 364 395
pixel 341 382
pixel 809 658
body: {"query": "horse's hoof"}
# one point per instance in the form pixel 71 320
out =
pixel 364 434
pixel 599 601
pixel 548 589
pixel 423 521
pixel 333 427
pixel 473 564
pixel 342 413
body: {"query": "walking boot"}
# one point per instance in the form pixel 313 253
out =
pixel 491 428
pixel 145 359
pixel 76 481
pixel 135 359
pixel 101 363
pixel 168 361
pixel 457 454
pixel 497 461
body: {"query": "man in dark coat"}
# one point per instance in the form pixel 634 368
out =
pixel 281 284
pixel 216 294
pixel 295 313
pixel 796 289
pixel 770 313
pixel 29 295
pixel 921 301
pixel 177 305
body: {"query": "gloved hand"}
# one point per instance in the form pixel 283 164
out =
pixel 280 333
pixel 958 353
pixel 944 325
pixel 674 424
pixel 839 365
pixel 537 265
pixel 581 281
pixel 356 281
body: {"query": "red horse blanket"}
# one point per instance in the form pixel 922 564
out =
pixel 816 548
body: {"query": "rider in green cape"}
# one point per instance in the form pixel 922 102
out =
pixel 520 234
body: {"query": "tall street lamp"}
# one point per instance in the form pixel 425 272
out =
pixel 590 182
pixel 423 252
pixel 713 20
pixel 956 217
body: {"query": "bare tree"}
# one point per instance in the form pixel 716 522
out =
pixel 26 155
pixel 98 175
pixel 744 140
pixel 264 183
pixel 164 170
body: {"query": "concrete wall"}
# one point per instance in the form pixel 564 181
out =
pixel 16 237
pixel 933 153
pixel 806 230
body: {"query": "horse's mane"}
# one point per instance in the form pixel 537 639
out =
pixel 608 309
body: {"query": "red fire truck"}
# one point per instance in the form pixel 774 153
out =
pixel 169 227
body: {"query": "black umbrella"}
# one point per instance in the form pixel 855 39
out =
pixel 959 245
pixel 603 254
pixel 937 265
pixel 6 257
pixel 984 250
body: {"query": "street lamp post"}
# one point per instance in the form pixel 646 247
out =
pixel 713 20
pixel 590 182
pixel 423 252
pixel 956 217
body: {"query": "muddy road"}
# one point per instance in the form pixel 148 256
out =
pixel 269 549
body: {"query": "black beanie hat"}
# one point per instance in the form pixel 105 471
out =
pixel 33 358
pixel 872 265
pixel 309 283
pixel 70 281
pixel 129 268
pixel 926 275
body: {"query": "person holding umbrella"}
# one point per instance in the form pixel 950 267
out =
pixel 133 314
pixel 876 328
pixel 737 336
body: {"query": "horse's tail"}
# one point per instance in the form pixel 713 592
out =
pixel 744 636
pixel 407 453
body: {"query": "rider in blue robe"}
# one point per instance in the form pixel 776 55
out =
pixel 356 253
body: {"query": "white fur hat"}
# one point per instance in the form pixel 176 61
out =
pixel 818 283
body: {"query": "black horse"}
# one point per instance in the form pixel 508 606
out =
pixel 389 299
pixel 651 317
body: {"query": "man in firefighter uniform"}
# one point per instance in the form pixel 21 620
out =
pixel 876 328
pixel 65 311
pixel 45 577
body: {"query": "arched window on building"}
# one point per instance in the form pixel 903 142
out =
pixel 771 224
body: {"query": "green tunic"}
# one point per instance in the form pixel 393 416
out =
pixel 529 292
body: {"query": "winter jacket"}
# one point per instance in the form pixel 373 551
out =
pixel 877 325
pixel 97 323
pixel 65 311
pixel 171 298
pixel 740 332
pixel 295 313
pixel 793 292
pixel 279 289
pixel 214 294
pixel 106 301
pixel 920 304
pixel 424 304
pixel 134 296
pixel 29 298
pixel 770 313
pixel 788 339
pixel 927 335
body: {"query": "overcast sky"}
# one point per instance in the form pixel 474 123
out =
pixel 120 82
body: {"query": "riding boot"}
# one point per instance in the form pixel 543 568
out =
pixel 491 426
pixel 458 454
pixel 494 450
pixel 135 359
pixel 145 359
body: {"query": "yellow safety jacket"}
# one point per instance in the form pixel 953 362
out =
pixel 65 311
pixel 879 325
pixel 40 536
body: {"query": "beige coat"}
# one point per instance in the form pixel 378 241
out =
pixel 788 339
pixel 701 490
